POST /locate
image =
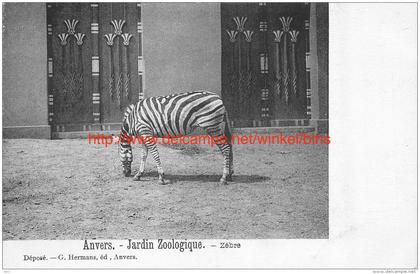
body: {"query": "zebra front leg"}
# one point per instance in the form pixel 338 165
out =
pixel 153 149
pixel 144 152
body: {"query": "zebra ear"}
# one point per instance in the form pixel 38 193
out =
pixel 129 108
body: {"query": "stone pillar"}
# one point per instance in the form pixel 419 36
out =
pixel 313 64
pixel 318 65
pixel 25 96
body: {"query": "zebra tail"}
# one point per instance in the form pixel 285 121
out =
pixel 228 131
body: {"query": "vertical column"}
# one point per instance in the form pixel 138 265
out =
pixel 50 66
pixel 308 71
pixel 263 23
pixel 313 64
pixel 140 60
pixel 96 95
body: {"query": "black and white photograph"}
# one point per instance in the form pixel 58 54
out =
pixel 242 69
pixel 159 122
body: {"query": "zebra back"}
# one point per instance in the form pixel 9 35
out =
pixel 178 114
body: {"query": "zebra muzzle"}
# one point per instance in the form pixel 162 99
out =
pixel 126 171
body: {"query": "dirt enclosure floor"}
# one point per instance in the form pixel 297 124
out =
pixel 68 189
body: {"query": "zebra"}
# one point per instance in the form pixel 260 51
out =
pixel 175 115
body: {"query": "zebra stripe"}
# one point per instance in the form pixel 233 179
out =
pixel 175 115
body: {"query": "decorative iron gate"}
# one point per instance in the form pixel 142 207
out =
pixel 95 64
pixel 265 72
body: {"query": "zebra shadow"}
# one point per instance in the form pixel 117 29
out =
pixel 237 179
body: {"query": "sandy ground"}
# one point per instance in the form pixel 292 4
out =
pixel 67 189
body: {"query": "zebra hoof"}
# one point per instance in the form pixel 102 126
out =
pixel 223 181
pixel 137 177
pixel 162 182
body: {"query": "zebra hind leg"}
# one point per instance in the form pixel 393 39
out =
pixel 225 148
pixel 229 177
pixel 227 173
pixel 144 152
pixel 155 153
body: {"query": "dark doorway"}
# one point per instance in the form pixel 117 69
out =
pixel 95 64
pixel 264 75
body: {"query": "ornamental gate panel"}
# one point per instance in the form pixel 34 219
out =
pixel 95 64
pixel 265 70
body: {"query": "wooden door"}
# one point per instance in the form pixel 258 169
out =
pixel 95 64
pixel 264 66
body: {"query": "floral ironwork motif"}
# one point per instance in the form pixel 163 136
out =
pixel 265 67
pixel 242 78
pixel 294 35
pixel 71 73
pixel 232 35
pixel 79 38
pixel 71 25
pixel 63 38
pixel 240 23
pixel 248 35
pixel 277 35
pixel 286 21
pixel 119 78
pixel 126 38
pixel 110 39
pixel 276 79
pixel 118 25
